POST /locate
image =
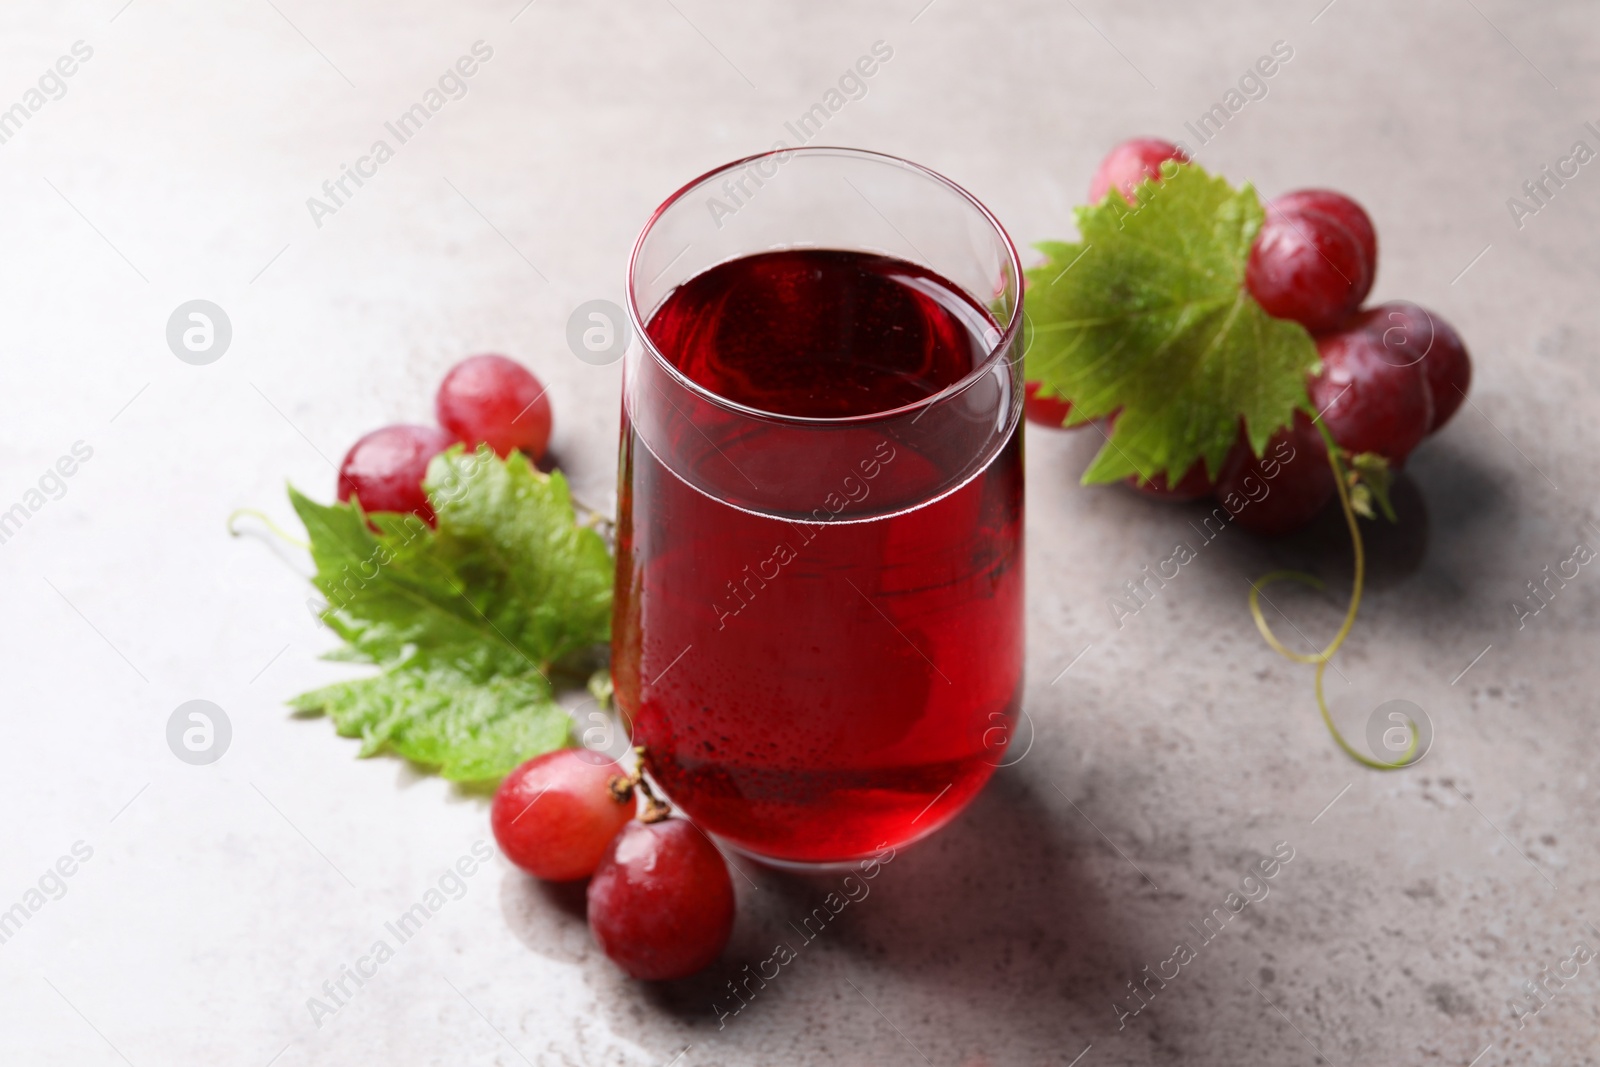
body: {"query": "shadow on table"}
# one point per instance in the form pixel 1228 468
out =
pixel 1455 514
pixel 1453 518
pixel 998 912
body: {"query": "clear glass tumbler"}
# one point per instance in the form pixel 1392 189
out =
pixel 819 617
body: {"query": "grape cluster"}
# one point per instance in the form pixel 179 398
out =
pixel 1391 374
pixel 486 399
pixel 660 900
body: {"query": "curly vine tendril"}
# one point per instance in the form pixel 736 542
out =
pixel 1320 659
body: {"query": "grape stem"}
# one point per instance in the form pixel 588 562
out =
pixel 266 520
pixel 623 786
pixel 1322 658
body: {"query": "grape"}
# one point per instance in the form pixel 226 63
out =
pixel 661 903
pixel 555 815
pixel 384 469
pixel 1285 487
pixel 1369 401
pixel 1130 163
pixel 495 401
pixel 1312 266
pixel 1351 215
pixel 1413 334
pixel 1194 485
pixel 1048 411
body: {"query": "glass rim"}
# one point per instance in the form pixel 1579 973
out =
pixel 981 369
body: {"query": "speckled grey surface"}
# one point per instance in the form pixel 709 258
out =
pixel 1175 753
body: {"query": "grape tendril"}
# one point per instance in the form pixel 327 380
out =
pixel 1322 658
pixel 265 520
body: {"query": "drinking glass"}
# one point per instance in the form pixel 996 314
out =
pixel 818 633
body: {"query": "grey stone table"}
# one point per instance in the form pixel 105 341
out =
pixel 207 905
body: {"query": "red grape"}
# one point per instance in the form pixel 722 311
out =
pixel 1285 487
pixel 1342 209
pixel 384 469
pixel 1130 163
pixel 555 815
pixel 495 401
pixel 661 902
pixel 1192 486
pixel 1370 402
pixel 1310 265
pixel 1413 334
pixel 1048 411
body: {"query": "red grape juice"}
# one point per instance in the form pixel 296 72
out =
pixel 812 683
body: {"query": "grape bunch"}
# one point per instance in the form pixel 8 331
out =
pixel 660 900
pixel 1391 374
pixel 486 399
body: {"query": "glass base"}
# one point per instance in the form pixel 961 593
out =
pixel 792 866
pixel 835 866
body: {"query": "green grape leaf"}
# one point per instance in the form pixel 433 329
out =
pixel 1147 317
pixel 464 622
pixel 470 729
